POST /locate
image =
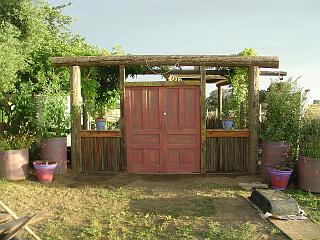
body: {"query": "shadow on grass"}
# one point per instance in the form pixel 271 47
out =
pixel 196 206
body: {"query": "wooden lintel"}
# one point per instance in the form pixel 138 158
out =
pixel 99 134
pixel 273 73
pixel 171 60
pixel 217 133
pixel 187 72
pixel 162 83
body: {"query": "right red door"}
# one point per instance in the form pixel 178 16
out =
pixel 182 129
pixel 167 123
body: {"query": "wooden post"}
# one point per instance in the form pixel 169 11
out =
pixel 122 73
pixel 253 118
pixel 203 118
pixel 75 104
pixel 85 117
pixel 220 97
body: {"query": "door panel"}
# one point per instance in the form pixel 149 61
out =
pixel 163 129
pixel 143 129
pixel 183 129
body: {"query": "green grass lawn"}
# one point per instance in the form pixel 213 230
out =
pixel 127 206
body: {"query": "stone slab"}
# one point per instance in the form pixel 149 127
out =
pixel 274 202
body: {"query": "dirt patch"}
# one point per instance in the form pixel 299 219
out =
pixel 126 206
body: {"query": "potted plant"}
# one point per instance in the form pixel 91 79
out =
pixel 14 156
pixel 227 120
pixel 54 121
pixel 100 119
pixel 19 112
pixel 44 170
pixel 280 128
pixel 280 175
pixel 309 159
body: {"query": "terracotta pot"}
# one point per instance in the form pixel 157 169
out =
pixel 273 154
pixel 279 178
pixel 14 164
pixel 309 174
pixel 55 150
pixel 44 172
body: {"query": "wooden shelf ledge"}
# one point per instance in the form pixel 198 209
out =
pixel 101 134
pixel 227 133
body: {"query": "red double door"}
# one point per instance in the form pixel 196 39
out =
pixel 163 129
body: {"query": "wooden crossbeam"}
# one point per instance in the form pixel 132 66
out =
pixel 273 73
pixel 170 60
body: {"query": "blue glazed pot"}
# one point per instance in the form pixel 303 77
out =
pixel 100 124
pixel 227 124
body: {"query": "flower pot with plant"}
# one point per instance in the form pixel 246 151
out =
pixel 100 117
pixel 279 176
pixel 44 170
pixel 280 127
pixel 19 113
pixel 54 120
pixel 227 120
pixel 309 159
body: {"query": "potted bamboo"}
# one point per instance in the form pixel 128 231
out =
pixel 280 128
pixel 309 159
pixel 54 121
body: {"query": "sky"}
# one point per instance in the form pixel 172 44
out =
pixel 289 29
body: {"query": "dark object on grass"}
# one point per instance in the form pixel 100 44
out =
pixel 274 202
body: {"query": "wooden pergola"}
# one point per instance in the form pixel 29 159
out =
pixel 189 77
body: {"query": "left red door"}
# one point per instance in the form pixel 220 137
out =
pixel 143 129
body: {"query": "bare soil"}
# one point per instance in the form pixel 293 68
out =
pixel 126 206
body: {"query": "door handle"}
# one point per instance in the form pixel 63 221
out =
pixel 164 113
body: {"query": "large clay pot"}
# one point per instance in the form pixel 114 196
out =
pixel 273 154
pixel 309 174
pixel 55 150
pixel 14 164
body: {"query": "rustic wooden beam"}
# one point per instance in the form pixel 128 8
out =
pixel 171 60
pixel 223 83
pixel 162 83
pixel 187 72
pixel 273 73
pixel 99 134
pixel 253 118
pixel 220 99
pixel 203 115
pixel 228 133
pixel 123 145
pixel 75 105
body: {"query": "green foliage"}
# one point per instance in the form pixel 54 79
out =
pixel 239 90
pixel 310 137
pixel 310 202
pixel 11 57
pixel 282 121
pixel 54 119
pixel 10 142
